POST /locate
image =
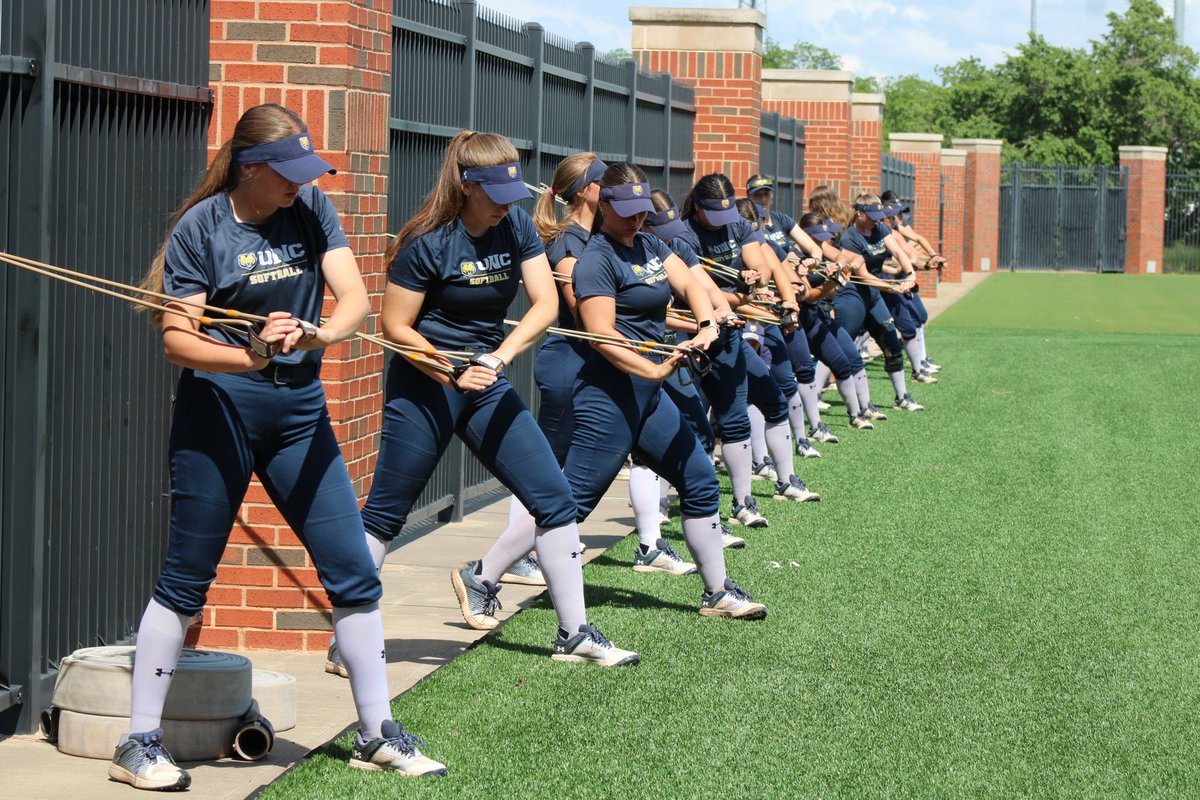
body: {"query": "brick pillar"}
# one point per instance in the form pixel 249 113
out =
pixel 719 51
pixel 1146 197
pixel 924 152
pixel 866 141
pixel 329 62
pixel 821 100
pixel 954 175
pixel 981 230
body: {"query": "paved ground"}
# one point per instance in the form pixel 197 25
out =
pixel 422 627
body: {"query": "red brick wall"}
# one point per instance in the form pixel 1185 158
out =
pixel 329 62
pixel 953 221
pixel 728 106
pixel 866 145
pixel 827 136
pixel 981 232
pixel 1146 197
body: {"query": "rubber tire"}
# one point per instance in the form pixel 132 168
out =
pixel 93 736
pixel 275 693
pixel 207 685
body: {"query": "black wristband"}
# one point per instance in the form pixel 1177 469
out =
pixel 493 362
pixel 260 346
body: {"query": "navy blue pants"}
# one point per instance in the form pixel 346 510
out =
pixel 725 386
pixel 617 414
pixel 419 417
pixel 791 360
pixel 863 309
pixel 226 426
pixel 762 390
pixel 903 314
pixel 555 368
pixel 693 407
pixel 830 343
pixel 918 306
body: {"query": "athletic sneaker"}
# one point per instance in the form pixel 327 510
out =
pixel 795 489
pixel 822 434
pixel 333 661
pixel 731 601
pixel 144 763
pixel 930 367
pixel 661 559
pixel 590 646
pixel 394 751
pixel 923 377
pixel 729 541
pixel 765 470
pixel 861 422
pixel 804 447
pixel 746 514
pixel 872 412
pixel 476 598
pixel 526 571
pixel 906 403
pixel 823 406
pixel 828 387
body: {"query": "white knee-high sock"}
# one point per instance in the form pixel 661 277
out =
pixel 513 543
pixel 359 632
pixel 796 417
pixel 159 640
pixel 862 388
pixel 758 441
pixel 644 496
pixel 848 389
pixel 562 565
pixel 822 375
pixel 913 348
pixel 810 397
pixel 779 443
pixel 898 382
pixel 736 456
pixel 703 537
pixel 921 344
pixel 378 549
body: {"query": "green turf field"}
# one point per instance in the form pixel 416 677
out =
pixel 997 597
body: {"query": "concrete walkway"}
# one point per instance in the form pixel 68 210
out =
pixel 423 629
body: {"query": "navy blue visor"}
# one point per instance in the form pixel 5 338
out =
pixel 292 157
pixel 595 172
pixel 874 211
pixel 628 199
pixel 823 232
pixel 719 211
pixel 501 183
pixel 760 210
pixel 665 224
pixel 758 185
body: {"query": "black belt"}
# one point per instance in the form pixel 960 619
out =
pixel 286 374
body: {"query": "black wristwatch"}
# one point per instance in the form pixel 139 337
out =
pixel 493 362
pixel 707 323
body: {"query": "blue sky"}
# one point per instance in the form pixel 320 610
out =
pixel 874 37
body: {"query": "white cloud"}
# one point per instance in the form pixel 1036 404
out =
pixel 915 14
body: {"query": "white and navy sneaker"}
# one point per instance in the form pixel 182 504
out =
pixel 795 490
pixel 476 598
pixel 871 412
pixel 861 423
pixel 731 601
pixel 764 470
pixel 930 367
pixel 823 406
pixel 746 514
pixel 394 751
pixel 804 448
pixel 661 558
pixel 821 433
pixel 527 571
pixel 144 763
pixel 729 541
pixel 333 660
pixel 590 646
pixel 906 403
pixel 923 377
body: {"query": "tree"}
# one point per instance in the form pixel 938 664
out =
pixel 801 55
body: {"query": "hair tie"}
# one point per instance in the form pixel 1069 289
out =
pixel 550 191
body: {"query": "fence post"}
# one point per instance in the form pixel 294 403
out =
pixel 1060 176
pixel 589 92
pixel 537 51
pixel 631 84
pixel 1016 217
pixel 466 22
pixel 456 454
pixel 1101 240
pixel 667 94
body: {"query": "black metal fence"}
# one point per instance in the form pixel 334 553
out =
pixel 1181 226
pixel 101 139
pixel 781 156
pixel 1062 217
pixel 899 176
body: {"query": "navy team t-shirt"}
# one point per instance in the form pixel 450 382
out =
pixel 723 245
pixel 468 282
pixel 255 268
pixel 635 277
pixel 869 245
pixel 568 244
pixel 777 233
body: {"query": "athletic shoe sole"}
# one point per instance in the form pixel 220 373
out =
pixel 370 767
pixel 649 568
pixel 809 497
pixel 629 659
pixel 479 622
pixel 758 523
pixel 334 668
pixel 121 775
pixel 524 580
pixel 757 612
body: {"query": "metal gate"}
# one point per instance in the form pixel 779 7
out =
pixel 1061 217
pixel 1181 228
pixel 103 118
pixel 899 176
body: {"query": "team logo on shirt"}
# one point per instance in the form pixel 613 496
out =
pixel 652 272
pixel 638 270
pixel 273 263
pixel 467 268
pixel 305 143
pixel 492 268
pixel 247 260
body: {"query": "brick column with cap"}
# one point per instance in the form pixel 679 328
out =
pixel 981 232
pixel 718 51
pixel 330 62
pixel 924 152
pixel 821 100
pixel 1145 206
pixel 866 141
pixel 954 176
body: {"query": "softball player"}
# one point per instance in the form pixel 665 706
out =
pixel 455 268
pixel 253 236
pixel 623 283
